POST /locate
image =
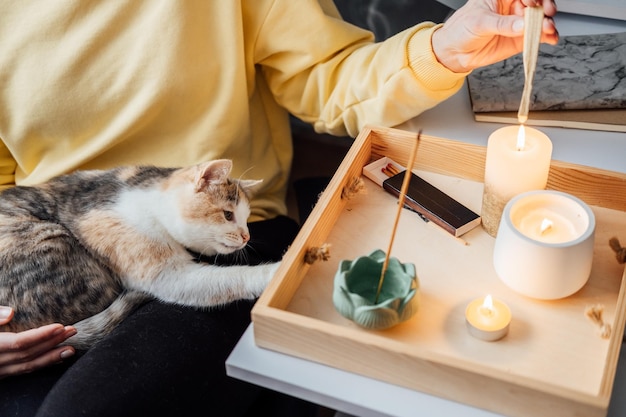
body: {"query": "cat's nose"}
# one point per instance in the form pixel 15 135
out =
pixel 245 237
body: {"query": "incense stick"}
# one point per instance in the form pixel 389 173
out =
pixel 533 21
pixel 405 186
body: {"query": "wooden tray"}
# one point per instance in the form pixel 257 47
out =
pixel 552 363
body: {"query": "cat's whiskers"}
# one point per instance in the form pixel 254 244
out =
pixel 241 256
pixel 244 173
pixel 241 178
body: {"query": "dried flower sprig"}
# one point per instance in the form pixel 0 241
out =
pixel 353 187
pixel 314 253
pixel 594 313
pixel 620 252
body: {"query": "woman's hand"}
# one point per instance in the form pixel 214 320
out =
pixel 32 349
pixel 483 32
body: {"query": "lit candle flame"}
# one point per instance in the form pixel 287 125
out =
pixel 487 307
pixel 521 138
pixel 546 224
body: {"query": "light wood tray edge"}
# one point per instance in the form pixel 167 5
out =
pixel 444 156
pixel 290 333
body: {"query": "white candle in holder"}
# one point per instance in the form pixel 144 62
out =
pixel 518 160
pixel 544 247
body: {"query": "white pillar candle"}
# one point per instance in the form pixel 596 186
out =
pixel 544 247
pixel 518 160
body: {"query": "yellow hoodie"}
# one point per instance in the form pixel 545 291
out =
pixel 94 84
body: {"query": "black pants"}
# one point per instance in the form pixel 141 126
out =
pixel 163 360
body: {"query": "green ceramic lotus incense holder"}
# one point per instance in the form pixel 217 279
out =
pixel 356 285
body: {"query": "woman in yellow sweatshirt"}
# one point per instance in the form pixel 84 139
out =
pixel 96 84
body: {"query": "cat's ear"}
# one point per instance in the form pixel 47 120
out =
pixel 212 172
pixel 249 186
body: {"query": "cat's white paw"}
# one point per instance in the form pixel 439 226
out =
pixel 269 274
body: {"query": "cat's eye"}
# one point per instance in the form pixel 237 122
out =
pixel 228 215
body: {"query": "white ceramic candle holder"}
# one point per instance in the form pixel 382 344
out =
pixel 549 264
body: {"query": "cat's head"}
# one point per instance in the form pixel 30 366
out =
pixel 213 208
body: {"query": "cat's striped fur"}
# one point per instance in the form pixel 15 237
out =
pixel 88 247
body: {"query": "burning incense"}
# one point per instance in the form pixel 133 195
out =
pixel 533 20
pixel 405 186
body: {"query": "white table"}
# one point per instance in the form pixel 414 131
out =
pixel 334 388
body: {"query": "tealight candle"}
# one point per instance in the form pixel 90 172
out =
pixel 544 247
pixel 518 160
pixel 488 319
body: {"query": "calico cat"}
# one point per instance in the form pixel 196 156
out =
pixel 89 247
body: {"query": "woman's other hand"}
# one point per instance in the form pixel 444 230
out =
pixel 32 349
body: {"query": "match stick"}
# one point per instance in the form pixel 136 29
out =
pixel 390 170
pixel 533 21
pixel 405 186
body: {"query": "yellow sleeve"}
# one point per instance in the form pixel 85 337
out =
pixel 333 75
pixel 7 167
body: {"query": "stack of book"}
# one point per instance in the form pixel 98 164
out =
pixel 578 83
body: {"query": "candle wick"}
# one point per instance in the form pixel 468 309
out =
pixel 486 311
pixel 546 225
pixel 521 138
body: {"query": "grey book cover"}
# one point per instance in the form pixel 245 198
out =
pixel 581 72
